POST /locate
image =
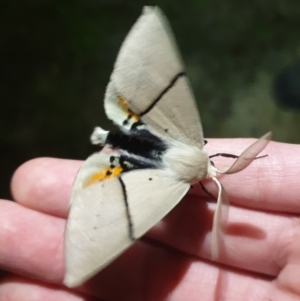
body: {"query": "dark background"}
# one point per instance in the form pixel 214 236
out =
pixel 56 58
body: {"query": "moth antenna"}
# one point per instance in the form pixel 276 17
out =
pixel 232 156
pixel 248 155
pixel 224 155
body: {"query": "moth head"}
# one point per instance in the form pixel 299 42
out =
pixel 188 163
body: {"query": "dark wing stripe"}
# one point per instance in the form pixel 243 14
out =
pixel 128 215
pixel 163 92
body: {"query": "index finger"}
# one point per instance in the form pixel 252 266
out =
pixel 44 184
pixel 270 183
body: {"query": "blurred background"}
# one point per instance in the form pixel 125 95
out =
pixel 56 57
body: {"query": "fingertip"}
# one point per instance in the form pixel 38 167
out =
pixel 44 184
pixel 23 178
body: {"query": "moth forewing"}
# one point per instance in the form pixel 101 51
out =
pixel 150 81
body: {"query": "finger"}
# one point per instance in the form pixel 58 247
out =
pixel 254 241
pixel 270 183
pixel 253 248
pixel 44 184
pixel 31 245
pixel 230 285
pixel 31 242
pixel 194 280
pixel 267 268
pixel 144 272
pixel 15 288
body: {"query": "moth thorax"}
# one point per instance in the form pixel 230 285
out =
pixel 187 163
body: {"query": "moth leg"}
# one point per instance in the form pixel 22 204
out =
pixel 224 155
pixel 206 191
pixel 232 156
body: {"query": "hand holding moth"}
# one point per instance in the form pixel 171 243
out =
pixel 173 261
pixel 121 194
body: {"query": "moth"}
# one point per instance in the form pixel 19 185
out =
pixel 147 167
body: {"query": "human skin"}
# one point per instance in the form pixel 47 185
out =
pixel 260 258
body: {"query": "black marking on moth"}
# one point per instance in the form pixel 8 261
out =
pixel 144 144
pixel 138 149
pixel 114 161
pixel 162 93
pixel 139 127
pixel 129 162
pixel 128 215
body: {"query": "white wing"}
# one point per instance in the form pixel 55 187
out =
pixel 149 77
pixel 106 216
pixel 94 164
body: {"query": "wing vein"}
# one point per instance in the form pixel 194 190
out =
pixel 162 93
pixel 128 215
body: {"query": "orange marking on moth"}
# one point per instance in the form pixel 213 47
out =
pixel 124 106
pixel 104 174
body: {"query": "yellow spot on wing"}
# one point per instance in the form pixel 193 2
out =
pixel 128 112
pixel 104 174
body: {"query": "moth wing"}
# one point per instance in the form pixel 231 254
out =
pixel 149 77
pixel 98 228
pixel 94 164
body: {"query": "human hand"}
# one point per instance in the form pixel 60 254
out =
pixel 261 259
